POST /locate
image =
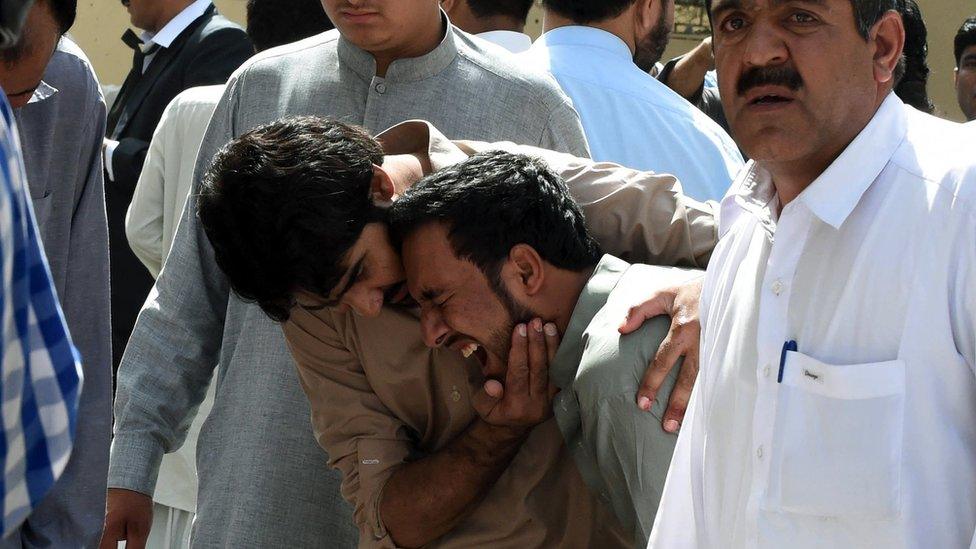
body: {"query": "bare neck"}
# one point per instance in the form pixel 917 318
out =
pixel 168 12
pixel 558 300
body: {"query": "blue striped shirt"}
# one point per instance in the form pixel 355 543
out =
pixel 41 369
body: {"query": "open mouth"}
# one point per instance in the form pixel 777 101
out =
pixel 770 99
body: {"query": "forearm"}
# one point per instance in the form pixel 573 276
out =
pixel 425 499
pixel 689 73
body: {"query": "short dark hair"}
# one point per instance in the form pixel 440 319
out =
pixel 64 13
pixel 494 201
pixel 588 11
pixel 283 203
pixel 965 37
pixel 912 71
pixel 516 9
pixel 866 13
pixel 272 23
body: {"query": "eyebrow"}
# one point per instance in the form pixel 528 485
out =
pixel 724 5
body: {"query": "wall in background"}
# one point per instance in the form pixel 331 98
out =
pixel 101 23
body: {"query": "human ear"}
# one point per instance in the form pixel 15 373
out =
pixel 381 186
pixel 646 13
pixel 528 269
pixel 888 38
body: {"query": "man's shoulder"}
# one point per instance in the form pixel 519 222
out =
pixel 71 73
pixel 294 56
pixel 504 68
pixel 216 22
pixel 217 29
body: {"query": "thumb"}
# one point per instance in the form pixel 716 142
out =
pixel 485 400
pixel 494 389
pixel 657 305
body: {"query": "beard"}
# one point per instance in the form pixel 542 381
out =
pixel 501 338
pixel 649 50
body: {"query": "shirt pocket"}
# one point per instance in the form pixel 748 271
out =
pixel 837 441
pixel 42 207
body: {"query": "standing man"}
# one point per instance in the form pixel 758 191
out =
pixel 501 22
pixel 836 404
pixel 40 368
pixel 185 44
pixel 388 60
pixel 965 74
pixel 61 118
pixel 600 51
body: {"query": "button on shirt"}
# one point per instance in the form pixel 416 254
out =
pixel 865 434
pixel 630 118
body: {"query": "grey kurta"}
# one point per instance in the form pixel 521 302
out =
pixel 622 453
pixel 263 480
pixel 61 131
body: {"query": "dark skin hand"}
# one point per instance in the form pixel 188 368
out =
pixel 427 498
pixel 681 304
pixel 128 517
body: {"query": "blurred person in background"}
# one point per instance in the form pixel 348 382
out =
pixel 501 22
pixel 259 467
pixel 61 120
pixel 600 52
pixel 965 74
pixel 40 367
pixel 184 43
pixel 154 213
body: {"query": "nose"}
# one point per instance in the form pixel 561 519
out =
pixel 433 328
pixel 764 46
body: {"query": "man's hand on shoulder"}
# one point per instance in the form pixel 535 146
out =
pixel 683 339
pixel 525 399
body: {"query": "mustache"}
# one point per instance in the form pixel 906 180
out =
pixel 784 76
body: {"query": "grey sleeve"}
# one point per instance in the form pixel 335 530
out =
pixel 176 341
pixel 564 132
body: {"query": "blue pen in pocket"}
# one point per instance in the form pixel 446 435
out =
pixel 788 346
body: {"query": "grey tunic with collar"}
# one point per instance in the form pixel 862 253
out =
pixel 61 132
pixel 264 482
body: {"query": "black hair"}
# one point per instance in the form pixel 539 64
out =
pixel 964 38
pixel 588 11
pixel 516 9
pixel 283 203
pixel 494 201
pixel 272 23
pixel 912 71
pixel 64 13
pixel 866 13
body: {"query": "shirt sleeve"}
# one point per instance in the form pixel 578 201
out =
pixel 642 217
pixel 144 220
pixel 363 439
pixel 564 132
pixel 176 341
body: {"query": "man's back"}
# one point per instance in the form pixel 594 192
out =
pixel 193 322
pixel 632 119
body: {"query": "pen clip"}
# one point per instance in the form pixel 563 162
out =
pixel 788 346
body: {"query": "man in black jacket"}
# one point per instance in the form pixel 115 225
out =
pixel 185 44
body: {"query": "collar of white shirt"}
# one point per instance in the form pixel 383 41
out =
pixel 835 193
pixel 177 25
pixel 515 42
pixel 587 37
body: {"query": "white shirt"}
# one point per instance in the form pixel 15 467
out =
pixel 869 440
pixel 632 119
pixel 515 42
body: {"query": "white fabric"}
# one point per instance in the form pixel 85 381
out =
pixel 150 225
pixel 110 146
pixel 630 118
pixel 167 174
pixel 164 38
pixel 515 42
pixel 870 438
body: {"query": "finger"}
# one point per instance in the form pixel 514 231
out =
pixel 552 340
pixel 665 358
pixel 681 394
pixel 538 365
pixel 494 389
pixel 135 535
pixel 483 402
pixel 517 376
pixel 659 304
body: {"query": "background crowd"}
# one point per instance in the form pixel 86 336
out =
pixel 194 426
